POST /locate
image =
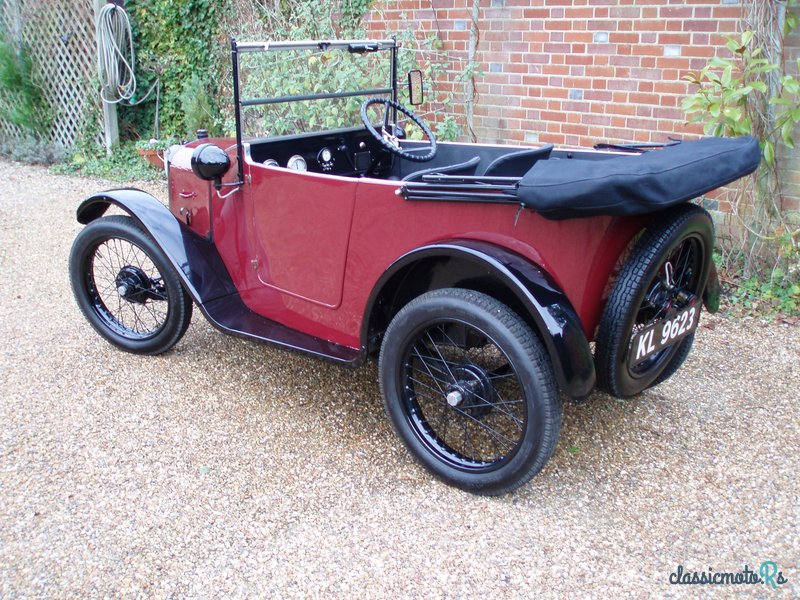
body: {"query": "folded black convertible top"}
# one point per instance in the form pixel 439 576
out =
pixel 636 184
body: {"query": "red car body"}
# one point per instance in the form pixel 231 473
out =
pixel 486 267
pixel 316 245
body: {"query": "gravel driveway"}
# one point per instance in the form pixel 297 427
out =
pixel 227 468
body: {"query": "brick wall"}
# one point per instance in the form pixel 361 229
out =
pixel 790 160
pixel 575 72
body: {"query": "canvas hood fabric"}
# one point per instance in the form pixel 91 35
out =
pixel 636 184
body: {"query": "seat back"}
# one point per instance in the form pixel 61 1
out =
pixel 457 168
pixel 516 164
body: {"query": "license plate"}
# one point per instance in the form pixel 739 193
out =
pixel 663 333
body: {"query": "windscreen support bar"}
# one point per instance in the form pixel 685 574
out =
pixel 279 99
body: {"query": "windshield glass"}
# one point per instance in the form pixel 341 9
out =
pixel 267 76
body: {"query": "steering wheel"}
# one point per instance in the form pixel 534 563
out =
pixel 389 140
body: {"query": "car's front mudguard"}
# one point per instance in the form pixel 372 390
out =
pixel 195 259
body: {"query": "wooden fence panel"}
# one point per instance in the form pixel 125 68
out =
pixel 61 39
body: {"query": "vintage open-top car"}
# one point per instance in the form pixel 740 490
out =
pixel 480 273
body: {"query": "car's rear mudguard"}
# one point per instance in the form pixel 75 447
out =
pixel 204 275
pixel 532 290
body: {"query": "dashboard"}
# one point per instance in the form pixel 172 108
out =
pixel 345 152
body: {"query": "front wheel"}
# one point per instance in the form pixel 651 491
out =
pixel 126 288
pixel 470 390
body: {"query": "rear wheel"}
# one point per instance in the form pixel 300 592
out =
pixel 126 287
pixel 470 390
pixel 665 274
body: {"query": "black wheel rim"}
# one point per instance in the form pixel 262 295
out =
pixel 462 396
pixel 126 290
pixel 668 294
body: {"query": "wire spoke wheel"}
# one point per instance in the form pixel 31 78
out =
pixel 126 288
pixel 662 280
pixel 470 390
pixel 463 398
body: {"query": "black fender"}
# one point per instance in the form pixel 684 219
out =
pixel 205 277
pixel 527 287
pixel 195 259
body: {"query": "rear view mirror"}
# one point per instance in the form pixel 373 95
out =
pixel 415 94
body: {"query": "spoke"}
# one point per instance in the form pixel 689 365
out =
pixel 444 372
pixel 151 310
pixel 505 376
pixel 427 369
pixel 454 345
pixel 486 402
pixel 440 417
pixel 430 374
pixel 128 249
pixel 101 258
pixel 501 410
pixel 425 385
pixel 160 296
pixel 681 280
pixel 435 347
pixel 110 288
pixel 466 437
pixel 119 310
pixel 136 319
pixel 505 402
pixel 117 252
pixel 103 263
pixel 492 432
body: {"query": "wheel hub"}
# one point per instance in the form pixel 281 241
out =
pixel 133 284
pixel 472 392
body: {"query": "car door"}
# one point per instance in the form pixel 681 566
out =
pixel 301 228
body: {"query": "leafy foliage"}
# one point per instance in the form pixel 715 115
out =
pixel 199 110
pixel 184 45
pixel 124 164
pixel 33 151
pixel 747 94
pixel 179 43
pixel 21 99
pixel 774 294
pixel 727 89
pixel 283 74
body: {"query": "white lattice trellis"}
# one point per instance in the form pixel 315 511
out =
pixel 60 37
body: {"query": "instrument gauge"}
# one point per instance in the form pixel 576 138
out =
pixel 271 162
pixel 297 163
pixel 325 159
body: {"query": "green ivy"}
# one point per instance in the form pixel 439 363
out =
pixel 124 165
pixel 180 43
pixel 733 98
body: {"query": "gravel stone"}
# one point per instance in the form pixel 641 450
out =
pixel 226 468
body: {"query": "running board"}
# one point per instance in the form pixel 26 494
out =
pixel 230 315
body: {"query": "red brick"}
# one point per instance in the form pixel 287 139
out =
pixel 630 89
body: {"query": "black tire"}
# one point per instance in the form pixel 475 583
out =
pixel 675 363
pixel 683 235
pixel 455 358
pixel 126 287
